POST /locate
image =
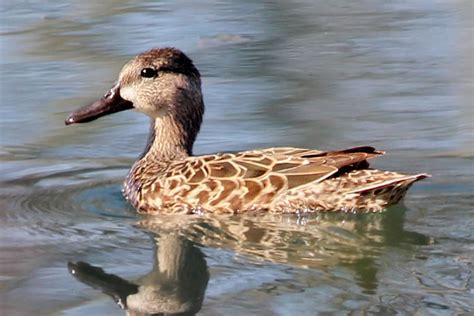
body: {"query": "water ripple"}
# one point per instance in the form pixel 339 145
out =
pixel 43 206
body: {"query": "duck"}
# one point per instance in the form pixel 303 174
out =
pixel 167 178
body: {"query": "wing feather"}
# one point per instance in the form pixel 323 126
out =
pixel 269 171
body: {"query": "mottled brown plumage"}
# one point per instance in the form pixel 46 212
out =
pixel 165 85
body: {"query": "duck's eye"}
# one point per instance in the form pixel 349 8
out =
pixel 148 72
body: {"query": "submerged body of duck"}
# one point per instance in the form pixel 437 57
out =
pixel 167 178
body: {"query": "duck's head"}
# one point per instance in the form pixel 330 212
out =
pixel 160 82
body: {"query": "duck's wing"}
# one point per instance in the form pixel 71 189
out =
pixel 258 176
pixel 299 167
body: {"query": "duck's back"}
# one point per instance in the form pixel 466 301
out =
pixel 274 179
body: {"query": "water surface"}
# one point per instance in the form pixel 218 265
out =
pixel 395 75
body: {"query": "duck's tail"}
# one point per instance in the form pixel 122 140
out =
pixel 361 191
pixel 383 189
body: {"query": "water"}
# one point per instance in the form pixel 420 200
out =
pixel 396 75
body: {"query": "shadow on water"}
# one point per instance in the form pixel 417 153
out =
pixel 179 277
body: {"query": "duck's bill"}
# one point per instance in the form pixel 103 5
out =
pixel 110 103
pixel 116 287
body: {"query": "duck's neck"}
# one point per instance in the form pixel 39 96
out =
pixel 172 136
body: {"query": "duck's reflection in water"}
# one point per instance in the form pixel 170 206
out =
pixel 358 242
pixel 175 286
pixel 179 278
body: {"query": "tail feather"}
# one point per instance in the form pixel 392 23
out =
pixel 379 195
pixel 402 180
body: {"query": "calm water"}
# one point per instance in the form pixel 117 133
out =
pixel 393 74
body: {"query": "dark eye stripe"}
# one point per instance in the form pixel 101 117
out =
pixel 176 70
pixel 148 72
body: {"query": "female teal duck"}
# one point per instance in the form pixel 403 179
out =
pixel 167 178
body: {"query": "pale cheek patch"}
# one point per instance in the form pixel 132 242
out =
pixel 153 112
pixel 127 94
pixel 142 104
